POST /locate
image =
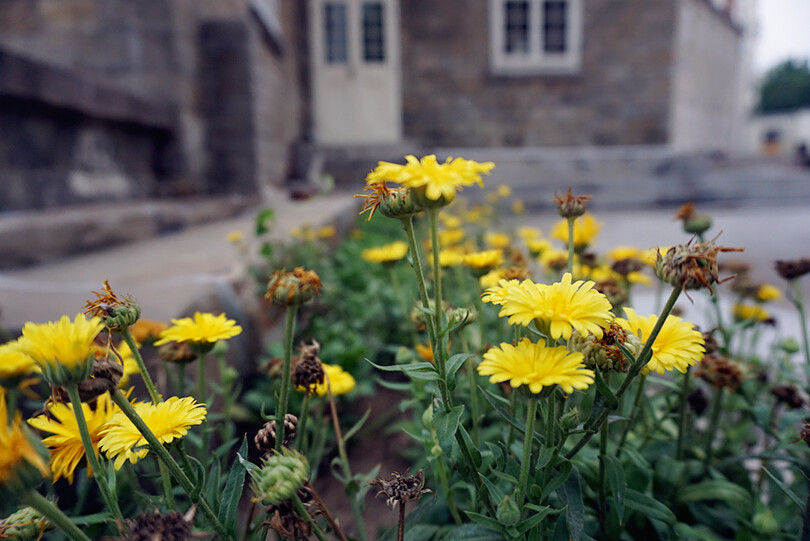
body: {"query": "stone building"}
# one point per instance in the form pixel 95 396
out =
pixel 117 99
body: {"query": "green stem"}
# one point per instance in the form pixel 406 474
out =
pixel 603 443
pixel 90 452
pixel 299 506
pixel 643 358
pixel 714 422
pixel 167 486
pixel 201 380
pixel 194 493
pixel 528 439
pixel 634 413
pixel 407 225
pixel 204 453
pixel 439 352
pixel 798 302
pixel 301 429
pixel 147 379
pixel 54 515
pixel 284 398
pixel 682 414
pixel 181 379
pixel 571 245
pixel 444 481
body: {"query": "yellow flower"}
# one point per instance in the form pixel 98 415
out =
pixel 768 292
pixel 147 330
pixel 650 256
pixel 449 221
pixel 486 259
pixel 66 442
pixel 168 420
pixel 558 309
pixel 536 365
pixel 203 327
pixel 449 237
pixel 387 253
pixel 504 191
pixel 585 230
pixel 498 294
pixel 424 351
pixel 678 345
pixel 326 232
pixel 440 180
pixel 491 279
pixel 623 252
pixel 553 257
pixel 235 237
pixel 450 258
pixel 746 312
pixel 21 465
pixel 528 233
pixel 340 381
pixel 62 350
pixel 518 206
pixel 498 240
pixel 15 364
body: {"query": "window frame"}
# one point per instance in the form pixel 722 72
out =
pixel 536 61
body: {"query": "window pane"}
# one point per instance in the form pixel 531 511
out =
pixel 516 26
pixel 373 32
pixel 554 26
pixel 335 39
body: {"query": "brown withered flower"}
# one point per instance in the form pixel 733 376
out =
pixel 104 378
pixel 284 519
pixel 710 342
pixel 516 273
pixel 265 439
pixel 308 372
pixel 116 313
pixel 794 268
pixel 720 372
pixel 400 488
pixel 698 401
pixel 177 352
pixel 691 266
pixel 788 395
pixel 569 206
pixel 616 293
pixel 395 203
pixel 626 266
pixel 293 288
pixel 693 222
pixel 170 526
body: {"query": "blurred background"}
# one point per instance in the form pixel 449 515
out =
pixel 121 121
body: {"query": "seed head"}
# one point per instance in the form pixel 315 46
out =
pixel 399 489
pixel 280 476
pixel 691 266
pixel 569 206
pixel 170 526
pixel 794 268
pixel 177 352
pixel 604 353
pixel 293 288
pixel 116 314
pixel 720 372
pixel 265 439
pixel 308 372
pixel 25 523
pixel 788 395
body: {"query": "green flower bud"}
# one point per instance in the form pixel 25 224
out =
pixel 280 477
pixel 461 316
pixel 507 513
pixel 399 203
pixel 789 345
pixel 697 224
pixel 26 523
pixel 293 288
pixel 570 420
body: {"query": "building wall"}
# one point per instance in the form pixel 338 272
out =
pixel 707 110
pixel 620 97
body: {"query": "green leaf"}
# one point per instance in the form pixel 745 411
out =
pixel 233 491
pixel 496 494
pixel 414 518
pixel 265 215
pixel 357 426
pixel 566 467
pixel 485 521
pixel 571 496
pixel 535 519
pixel 446 423
pixel 602 386
pixel 198 476
pixel 455 362
pixel 421 371
pixel 734 495
pixel 493 401
pixel 89 520
pixel 648 506
pixel 212 486
pixel 786 489
pixel 616 483
pixel 476 454
pixel 420 532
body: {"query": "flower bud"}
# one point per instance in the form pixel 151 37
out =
pixel 507 513
pixel 569 206
pixel 399 203
pixel 116 314
pixel 697 224
pixel 604 353
pixel 293 288
pixel 461 316
pixel 26 523
pixel 570 420
pixel 789 345
pixel 280 476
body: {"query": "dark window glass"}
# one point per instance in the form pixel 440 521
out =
pixel 516 26
pixel 554 26
pixel 335 38
pixel 373 32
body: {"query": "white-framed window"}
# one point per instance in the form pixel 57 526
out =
pixel 528 37
pixel 339 30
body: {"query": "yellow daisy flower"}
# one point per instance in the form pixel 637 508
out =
pixel 66 443
pixel 340 381
pixel 768 292
pixel 424 351
pixel 203 327
pixel 536 365
pixel 497 240
pixel 147 330
pixel 622 252
pixel 326 232
pixel 14 363
pixel 18 457
pixel 528 233
pixel 746 312
pixel 504 191
pixel 235 237
pixel 518 206
pixel 387 253
pixel 678 346
pixel 558 309
pixel 486 259
pixel 553 257
pixel 449 237
pixel 585 230
pixel 63 349
pixel 450 221
pixel 168 420
pixel 450 258
pixel 491 279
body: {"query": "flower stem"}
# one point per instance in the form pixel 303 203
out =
pixel 54 515
pixel 642 359
pixel 528 439
pixel 571 244
pixel 799 304
pixel 90 452
pixel 682 414
pixel 439 352
pixel 401 523
pixel 284 397
pixel 147 379
pixel 407 224
pixel 195 493
pixel 634 413
pixel 714 421
pixel 327 515
pixel 603 443
pixel 299 506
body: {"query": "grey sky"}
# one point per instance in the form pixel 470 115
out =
pixel 784 32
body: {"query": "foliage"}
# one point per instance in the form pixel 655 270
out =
pixel 785 87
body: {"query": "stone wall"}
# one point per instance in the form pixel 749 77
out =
pixel 621 95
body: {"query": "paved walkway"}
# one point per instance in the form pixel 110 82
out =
pixel 165 274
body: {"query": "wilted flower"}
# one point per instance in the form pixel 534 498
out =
pixel 154 525
pixel 720 372
pixel 569 206
pixel 400 489
pixel 794 268
pixel 115 313
pixel 691 266
pixel 293 288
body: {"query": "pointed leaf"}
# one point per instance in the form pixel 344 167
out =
pixel 615 478
pixel 648 506
pixel 484 520
pixel 455 362
pixel 446 423
pixel 717 489
pixel 357 426
pixel 473 532
pixel 233 491
pixel 786 489
pixel 557 481
pixel 571 496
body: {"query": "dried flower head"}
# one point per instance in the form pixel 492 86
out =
pixel 169 526
pixel 788 395
pixel 691 266
pixel 116 314
pixel 604 353
pixel 794 268
pixel 804 433
pixel 400 488
pixel 284 519
pixel 569 206
pixel 177 352
pixel 616 294
pixel 308 372
pixel 720 372
pixel 25 523
pixel 293 288
pixel 265 439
